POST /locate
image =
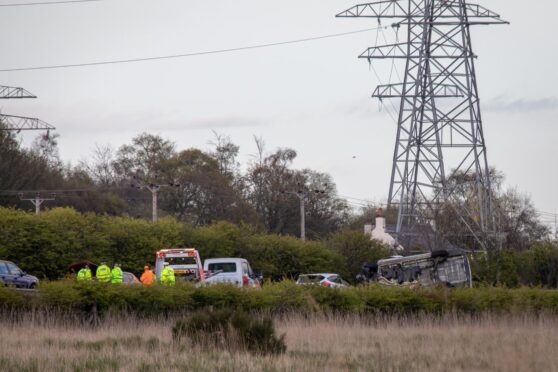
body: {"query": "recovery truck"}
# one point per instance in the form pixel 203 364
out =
pixel 185 262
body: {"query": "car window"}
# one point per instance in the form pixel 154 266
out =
pixel 3 268
pixel 225 267
pixel 245 270
pixel 334 279
pixel 310 278
pixel 14 270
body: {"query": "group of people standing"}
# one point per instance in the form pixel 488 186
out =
pixel 104 274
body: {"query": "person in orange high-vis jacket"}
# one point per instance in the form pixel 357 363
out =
pixel 147 276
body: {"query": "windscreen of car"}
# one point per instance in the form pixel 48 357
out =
pixel 181 260
pixel 14 270
pixel 308 279
pixel 224 267
pixel 3 268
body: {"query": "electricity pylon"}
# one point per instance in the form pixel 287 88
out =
pixel 439 133
pixel 19 123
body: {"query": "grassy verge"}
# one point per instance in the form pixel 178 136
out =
pixel 314 343
pixel 276 298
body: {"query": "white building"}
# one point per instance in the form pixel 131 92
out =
pixel 378 232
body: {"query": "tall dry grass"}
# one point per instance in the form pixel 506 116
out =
pixel 421 343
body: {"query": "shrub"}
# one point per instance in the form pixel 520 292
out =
pixel 231 330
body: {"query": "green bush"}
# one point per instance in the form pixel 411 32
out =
pixel 233 330
pixel 45 245
pixel 97 299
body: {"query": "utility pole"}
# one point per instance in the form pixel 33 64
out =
pixel 37 201
pixel 556 226
pixel 154 189
pixel 302 195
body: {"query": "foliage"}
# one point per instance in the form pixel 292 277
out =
pixel 275 298
pixel 236 330
pixel 45 245
pixel 39 168
pixel 275 190
pixel 356 248
pixel 513 268
pixel 514 214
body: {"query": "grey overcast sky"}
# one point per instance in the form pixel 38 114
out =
pixel 313 97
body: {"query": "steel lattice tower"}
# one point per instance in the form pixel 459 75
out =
pixel 439 132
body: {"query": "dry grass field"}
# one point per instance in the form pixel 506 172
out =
pixel 485 343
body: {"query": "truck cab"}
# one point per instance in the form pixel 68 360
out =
pixel 185 262
pixel 235 271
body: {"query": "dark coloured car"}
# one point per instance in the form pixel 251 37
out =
pixel 13 276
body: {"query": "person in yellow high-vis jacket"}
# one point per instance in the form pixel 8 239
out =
pixel 116 274
pixel 167 275
pixel 103 273
pixel 84 275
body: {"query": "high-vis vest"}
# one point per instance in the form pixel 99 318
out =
pixel 116 275
pixel 147 277
pixel 167 276
pixel 103 274
pixel 84 274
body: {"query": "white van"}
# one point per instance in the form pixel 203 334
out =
pixel 235 271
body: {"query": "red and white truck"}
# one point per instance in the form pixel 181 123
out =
pixel 185 262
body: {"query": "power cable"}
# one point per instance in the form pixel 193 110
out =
pixel 49 3
pixel 185 55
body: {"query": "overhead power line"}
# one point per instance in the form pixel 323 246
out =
pixel 185 55
pixel 49 2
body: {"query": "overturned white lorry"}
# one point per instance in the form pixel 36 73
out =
pixel 448 268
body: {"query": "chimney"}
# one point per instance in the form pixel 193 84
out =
pixel 380 219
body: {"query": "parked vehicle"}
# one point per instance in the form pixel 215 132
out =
pixel 230 270
pixel 443 267
pixel 323 279
pixel 185 262
pixel 129 278
pixel 13 276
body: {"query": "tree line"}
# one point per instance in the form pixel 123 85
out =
pixel 209 186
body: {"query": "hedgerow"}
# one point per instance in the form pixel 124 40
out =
pixel 277 298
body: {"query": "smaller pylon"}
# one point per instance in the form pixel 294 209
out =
pixel 19 123
pixel 14 92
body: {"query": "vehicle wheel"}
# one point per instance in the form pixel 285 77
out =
pixel 33 286
pixel 440 253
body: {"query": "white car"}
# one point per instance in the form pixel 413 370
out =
pixel 323 279
pixel 235 271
